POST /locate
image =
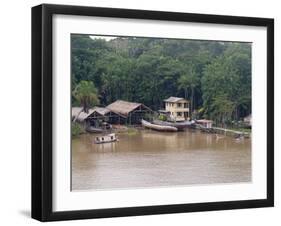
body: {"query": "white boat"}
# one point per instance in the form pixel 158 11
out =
pixel 149 125
pixel 105 138
pixel 178 125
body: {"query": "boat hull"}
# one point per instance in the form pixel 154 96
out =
pixel 105 139
pixel 178 125
pixel 149 125
pixel 103 142
pixel 92 129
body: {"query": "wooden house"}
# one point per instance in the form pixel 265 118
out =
pixel 96 115
pixel 133 112
pixel 177 108
pixel 119 112
pixel 101 114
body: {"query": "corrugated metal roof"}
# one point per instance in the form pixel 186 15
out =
pixel 174 99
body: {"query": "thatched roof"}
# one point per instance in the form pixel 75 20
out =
pixel 79 114
pixel 119 107
pixel 175 99
pixel 124 107
pixel 101 110
pixel 75 111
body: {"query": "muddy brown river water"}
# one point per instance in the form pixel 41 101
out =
pixel 153 159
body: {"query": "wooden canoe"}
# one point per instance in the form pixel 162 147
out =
pixel 149 125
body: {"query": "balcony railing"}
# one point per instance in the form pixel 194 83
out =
pixel 180 109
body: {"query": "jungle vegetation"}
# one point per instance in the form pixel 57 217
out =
pixel 214 75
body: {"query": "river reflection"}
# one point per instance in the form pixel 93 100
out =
pixel 152 159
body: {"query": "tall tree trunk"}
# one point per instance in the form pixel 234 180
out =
pixel 185 93
pixel 84 105
pixel 191 102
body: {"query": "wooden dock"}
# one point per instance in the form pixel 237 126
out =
pixel 231 132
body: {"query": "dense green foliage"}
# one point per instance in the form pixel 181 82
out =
pixel 86 94
pixel 76 129
pixel 214 76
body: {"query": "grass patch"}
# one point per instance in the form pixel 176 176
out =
pixel 76 129
pixel 245 130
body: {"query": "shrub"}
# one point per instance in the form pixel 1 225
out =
pixel 162 117
pixel 76 129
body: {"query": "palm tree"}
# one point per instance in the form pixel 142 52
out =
pixel 86 94
pixel 188 82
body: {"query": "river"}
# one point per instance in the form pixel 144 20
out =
pixel 153 159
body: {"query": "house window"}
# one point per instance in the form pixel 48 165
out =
pixel 179 105
pixel 179 114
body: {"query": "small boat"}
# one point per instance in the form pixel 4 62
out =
pixel 105 139
pixel 178 125
pixel 149 125
pixel 92 129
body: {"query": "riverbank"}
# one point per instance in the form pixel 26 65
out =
pixel 78 129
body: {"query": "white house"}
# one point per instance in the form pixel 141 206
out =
pixel 177 108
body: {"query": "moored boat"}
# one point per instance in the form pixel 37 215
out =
pixel 149 125
pixel 178 125
pixel 105 138
pixel 92 129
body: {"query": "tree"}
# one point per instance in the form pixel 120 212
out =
pixel 227 81
pixel 214 75
pixel 223 108
pixel 86 94
pixel 189 80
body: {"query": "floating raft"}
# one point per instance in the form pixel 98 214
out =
pixel 149 125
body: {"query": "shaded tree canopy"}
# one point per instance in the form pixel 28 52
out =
pixel 86 94
pixel 215 76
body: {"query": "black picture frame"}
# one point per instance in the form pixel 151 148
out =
pixel 42 111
